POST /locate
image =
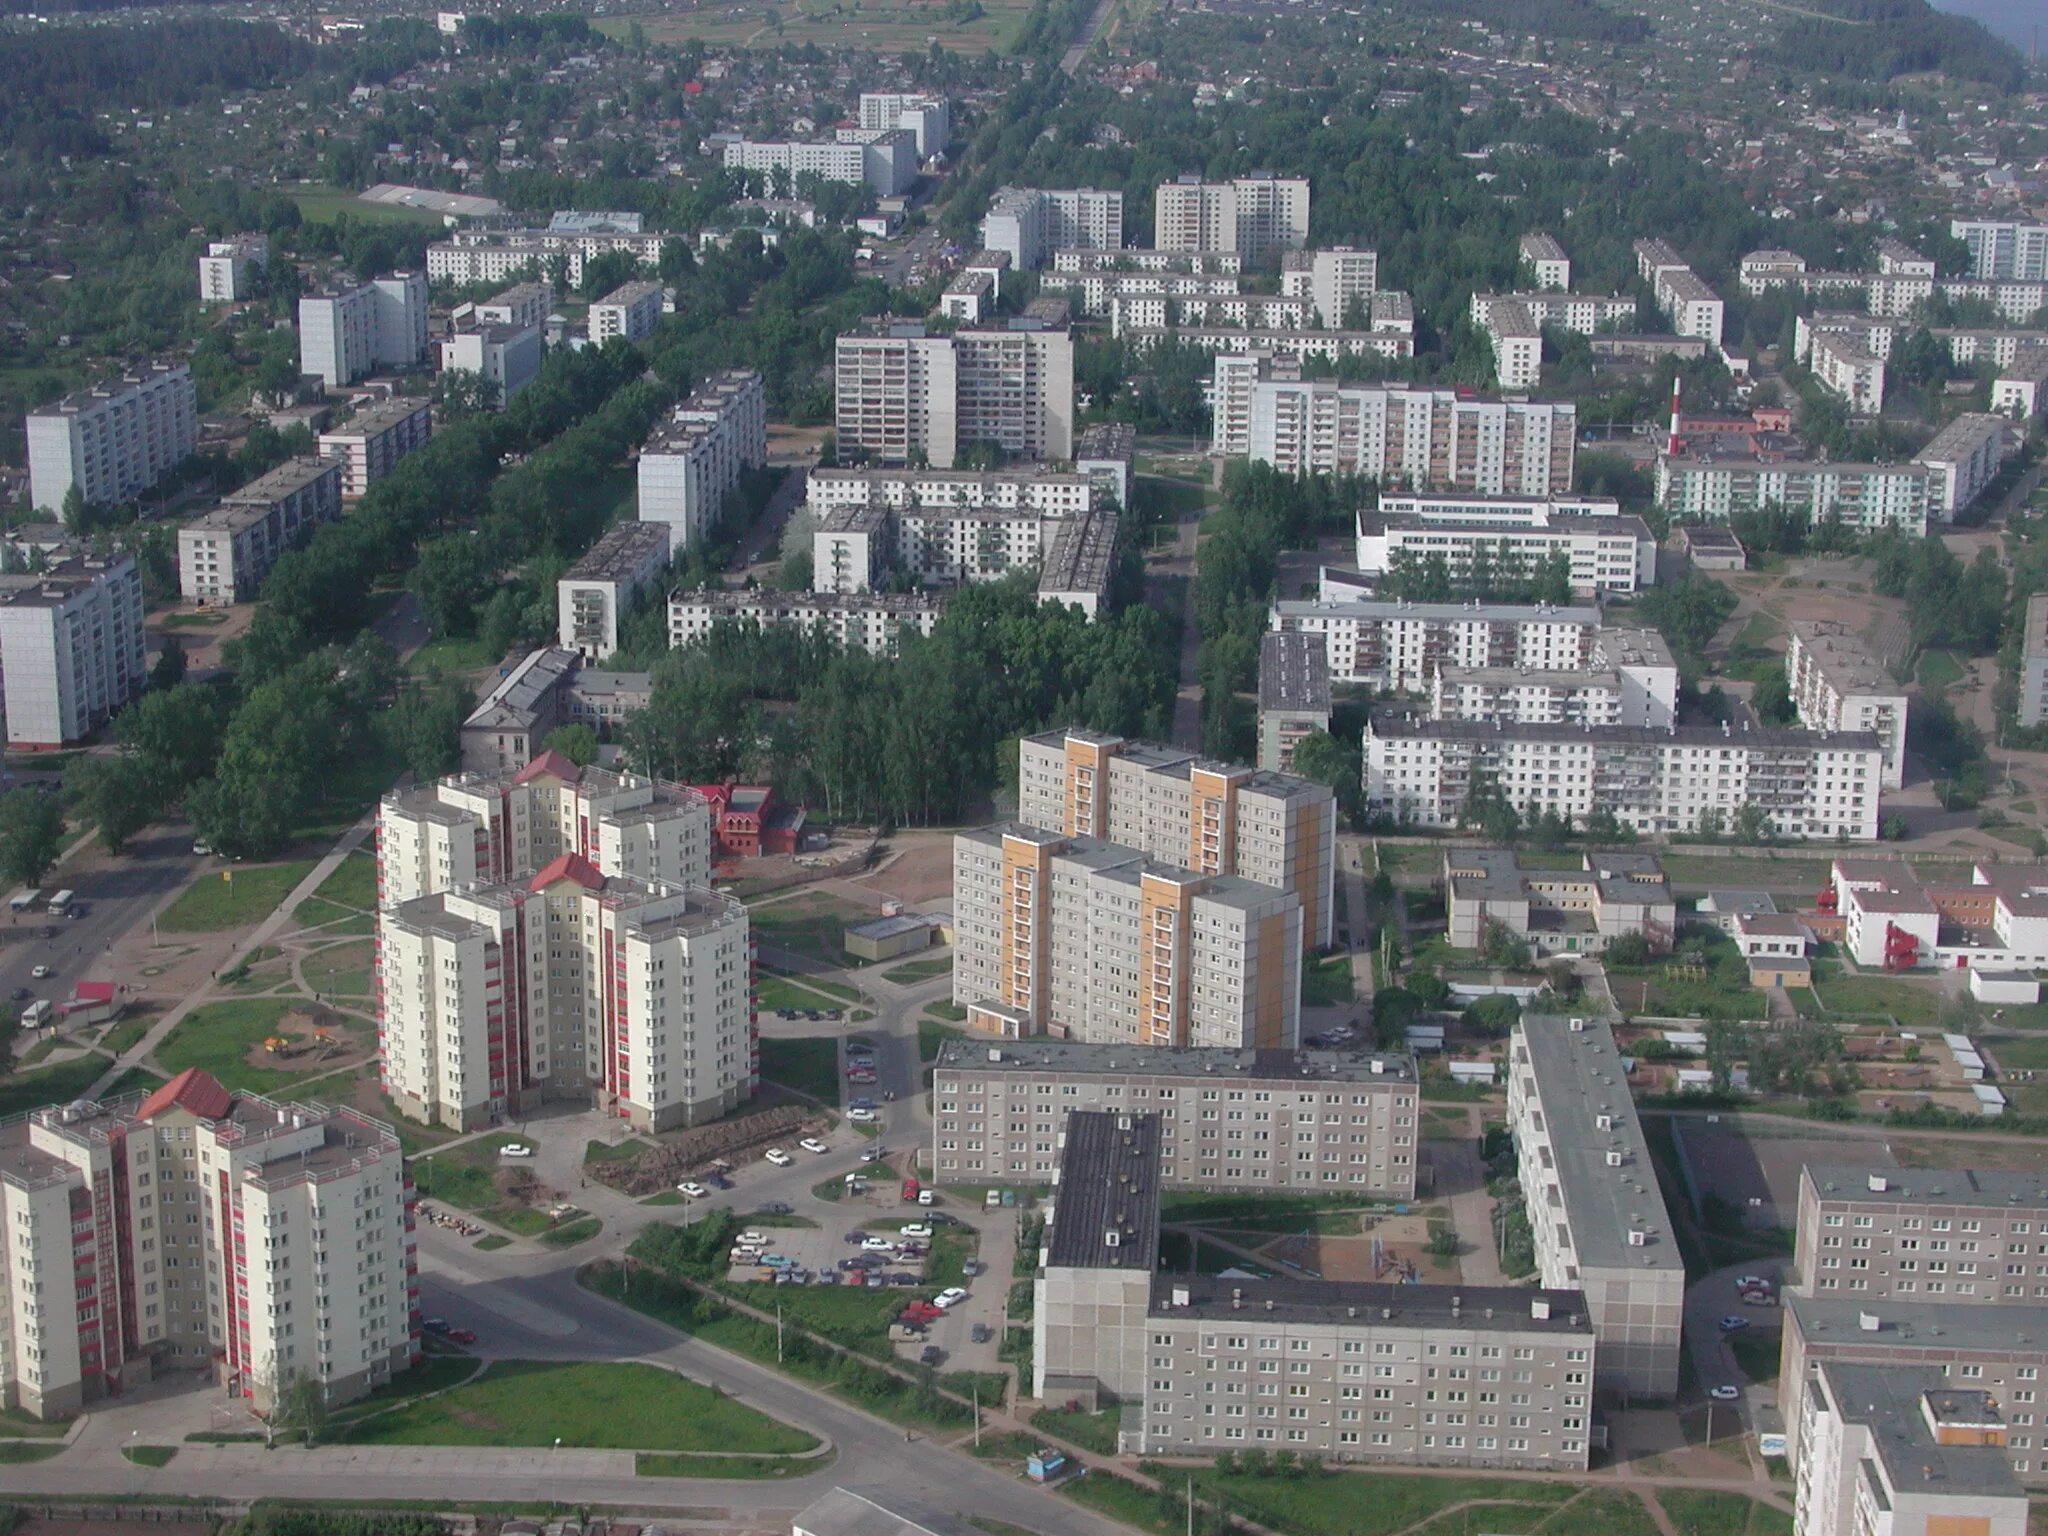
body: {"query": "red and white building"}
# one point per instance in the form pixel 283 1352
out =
pixel 1891 919
pixel 199 1228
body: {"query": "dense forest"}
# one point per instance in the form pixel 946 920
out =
pixel 1883 39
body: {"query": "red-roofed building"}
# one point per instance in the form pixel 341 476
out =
pixel 569 866
pixel 92 1002
pixel 747 821
pixel 198 1093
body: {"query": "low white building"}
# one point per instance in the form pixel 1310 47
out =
pixel 856 621
pixel 1558 911
pixel 1549 267
pixel 1604 551
pixel 1848 370
pixel 2021 389
pixel 1962 459
pixel 1517 342
pixel 885 160
pixel 1894 920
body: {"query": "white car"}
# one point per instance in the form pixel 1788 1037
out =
pixel 750 1240
pixel 992 1199
pixel 952 1296
pixel 878 1245
pixel 812 1144
pixel 1726 1394
pixel 916 1229
pixel 515 1149
pixel 861 1116
pixel 778 1157
pixel 40 972
pixel 689 1189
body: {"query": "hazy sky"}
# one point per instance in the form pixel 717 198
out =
pixel 2013 20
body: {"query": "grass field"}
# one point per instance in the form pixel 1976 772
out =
pixel 340 971
pixel 773 992
pixel 1347 1504
pixel 353 884
pixel 1326 983
pixel 812 924
pixel 49 1085
pixel 462 1176
pixel 322 204
pixel 809 1066
pixel 218 1038
pixel 919 970
pixel 652 1464
pixel 1756 1354
pixel 595 1406
pixel 212 903
pixel 880 28
pixel 449 656
pixel 1699 1513
pixel 150 1455
pixel 1911 1002
pixel 1938 671
pixel 570 1233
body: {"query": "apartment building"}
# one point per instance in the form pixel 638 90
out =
pixel 2004 248
pixel 1630 680
pixel 538 692
pixel 1095 291
pixel 115 440
pixel 1214 818
pixel 369 445
pixel 1397 434
pixel 1603 550
pixel 636 994
pixel 1903 282
pixel 1389 332
pixel 507 356
pixel 493 255
pixel 1968 346
pixel 1517 341
pixel 227 270
pixel 1549 268
pixel 1586 314
pixel 1962 460
pixel 352 329
pixel 123 1239
pixel 1848 370
pixel 1598 1218
pixel 1088 940
pixel 473 829
pixel 1417 1375
pixel 2033 700
pixel 902 394
pixel 885 161
pixel 1294 695
pixel 1136 312
pixel 598 591
pixel 1996 920
pixel 1029 224
pixel 2001 1351
pixel 1255 216
pixel 223 555
pixel 1695 309
pixel 1837 685
pixel 519 307
pixel 928 118
pixel 71 648
pixel 2020 392
pixel 1397 646
pixel 1888 1452
pixel 1558 911
pixel 1809 784
pixel 1237 1121
pixel 1712 484
pixel 854 621
pixel 1954 1237
pixel 1334 281
pixel 630 311
pixel 693 460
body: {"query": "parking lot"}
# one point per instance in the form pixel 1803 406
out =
pixel 878 1251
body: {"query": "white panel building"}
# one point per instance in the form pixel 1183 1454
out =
pixel 71 648
pixel 224 555
pixel 597 592
pixel 353 329
pixel 369 445
pixel 630 311
pixel 694 460
pixel 226 271
pixel 1255 216
pixel 114 440
pixel 928 118
pixel 1837 685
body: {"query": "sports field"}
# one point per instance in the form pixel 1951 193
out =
pixel 889 26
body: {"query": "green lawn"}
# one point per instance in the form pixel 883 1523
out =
pixel 149 1455
pixel 808 1066
pixel 16 1452
pixel 342 970
pixel 1326 983
pixel 812 924
pixel 215 902
pixel 491 1242
pixel 1700 1513
pixel 920 970
pixel 570 1233
pixel 463 1176
pixel 218 1038
pixel 1091 1431
pixel 353 884
pixel 1362 1504
pixel 1938 670
pixel 449 656
pixel 332 921
pixel 931 1034
pixel 434 1374
pixel 773 992
pixel 321 204
pixel 649 1464
pixel 1913 1003
pixel 596 1406
pixel 613 1152
pixel 1756 1355
pixel 49 1085
pixel 16 1424
pixel 134 1080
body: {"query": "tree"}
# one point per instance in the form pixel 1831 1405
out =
pixel 1752 825
pixel 1628 949
pixel 176 734
pixel 31 835
pixel 169 670
pixel 451 578
pixel 575 741
pixel 301 1406
pixel 76 513
pixel 1323 758
pixel 1772 700
pixel 424 726
pixel 115 794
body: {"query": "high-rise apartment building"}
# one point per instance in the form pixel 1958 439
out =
pixel 2003 249
pixel 1874 1232
pixel 71 648
pixel 369 445
pixel 694 459
pixel 226 271
pixel 1601 550
pixel 630 311
pixel 595 594
pixel 351 329
pixel 903 394
pixel 507 357
pixel 1333 280
pixel 1837 685
pixel 1088 940
pixel 1400 647
pixel 928 118
pixel 636 993
pixel 1254 215
pixel 1029 224
pixel 1398 434
pixel 485 829
pixel 1600 1226
pixel 2033 701
pixel 998 1112
pixel 113 441
pixel 199 1229
pixel 224 554
pixel 1210 817
pixel 1294 695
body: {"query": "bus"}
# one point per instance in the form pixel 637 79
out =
pixel 60 904
pixel 24 900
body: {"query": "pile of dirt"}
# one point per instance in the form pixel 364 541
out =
pixel 691 1152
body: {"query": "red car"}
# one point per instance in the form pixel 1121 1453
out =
pixel 462 1335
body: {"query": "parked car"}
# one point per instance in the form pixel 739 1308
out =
pixel 812 1144
pixel 978 1334
pixel 926 1196
pixel 1751 1283
pixel 462 1335
pixel 515 1149
pixel 690 1189
pixel 1726 1394
pixel 1734 1324
pixel 941 1219
pixel 951 1296
pixel 40 972
pixel 872 1154
pixel 992 1199
pixel 777 1261
pixel 878 1245
pixel 750 1239
pixel 861 1104
pixel 931 1354
pixel 1759 1299
pixel 22 994
pixel 720 1181
pixel 775 1208
pixel 434 1324
pixel 917 1229
pixel 778 1157
pixel 857 1235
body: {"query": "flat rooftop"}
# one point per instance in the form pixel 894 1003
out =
pixel 1579 1077
pixel 381 417
pixel 1075 1058
pixel 1962 437
pixel 627 551
pixel 520 691
pixel 633 292
pixel 1542 247
pixel 1895 1405
pixel 1927 1325
pixel 1106 1199
pixel 1842 658
pixel 1371 1304
pixel 1294 672
pixel 289 477
pixel 1851 1183
pixel 1394 609
pixel 1398 722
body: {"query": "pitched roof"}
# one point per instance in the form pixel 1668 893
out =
pixel 195 1091
pixel 549 762
pixel 568 866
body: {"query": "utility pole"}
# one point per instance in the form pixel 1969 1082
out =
pixel 778 1334
pixel 977 1415
pixel 1191 1504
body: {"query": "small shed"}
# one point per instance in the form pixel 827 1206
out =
pixel 1990 1102
pixel 885 938
pixel 1425 1037
pixel 1471 1071
pixel 1780 971
pixel 92 1002
pixel 2005 986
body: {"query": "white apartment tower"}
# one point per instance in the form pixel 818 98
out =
pixel 1028 224
pixel 71 648
pixel 902 394
pixel 929 118
pixel 351 330
pixel 1253 215
pixel 225 270
pixel 1549 267
pixel 2004 250
pixel 1333 280
pixel 370 444
pixel 1837 685
pixel 113 441
pixel 695 458
pixel 630 312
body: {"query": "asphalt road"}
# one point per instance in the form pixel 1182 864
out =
pixel 115 898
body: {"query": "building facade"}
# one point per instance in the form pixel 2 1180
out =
pixel 1602 550
pixel 2004 248
pixel 71 648
pixel 630 312
pixel 506 357
pixel 902 395
pixel 1557 911
pixel 598 591
pixel 352 329
pixel 370 444
pixel 884 161
pixel 224 555
pixel 1294 695
pixel 1254 216
pixel 1953 1236
pixel 1596 1213
pixel 1711 485
pixel 928 118
pixel 227 270
pixel 488 255
pixel 1837 685
pixel 113 441
pixel 694 460
pixel 873 622
pixel 2033 700
pixel 1029 224
pixel 1399 646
